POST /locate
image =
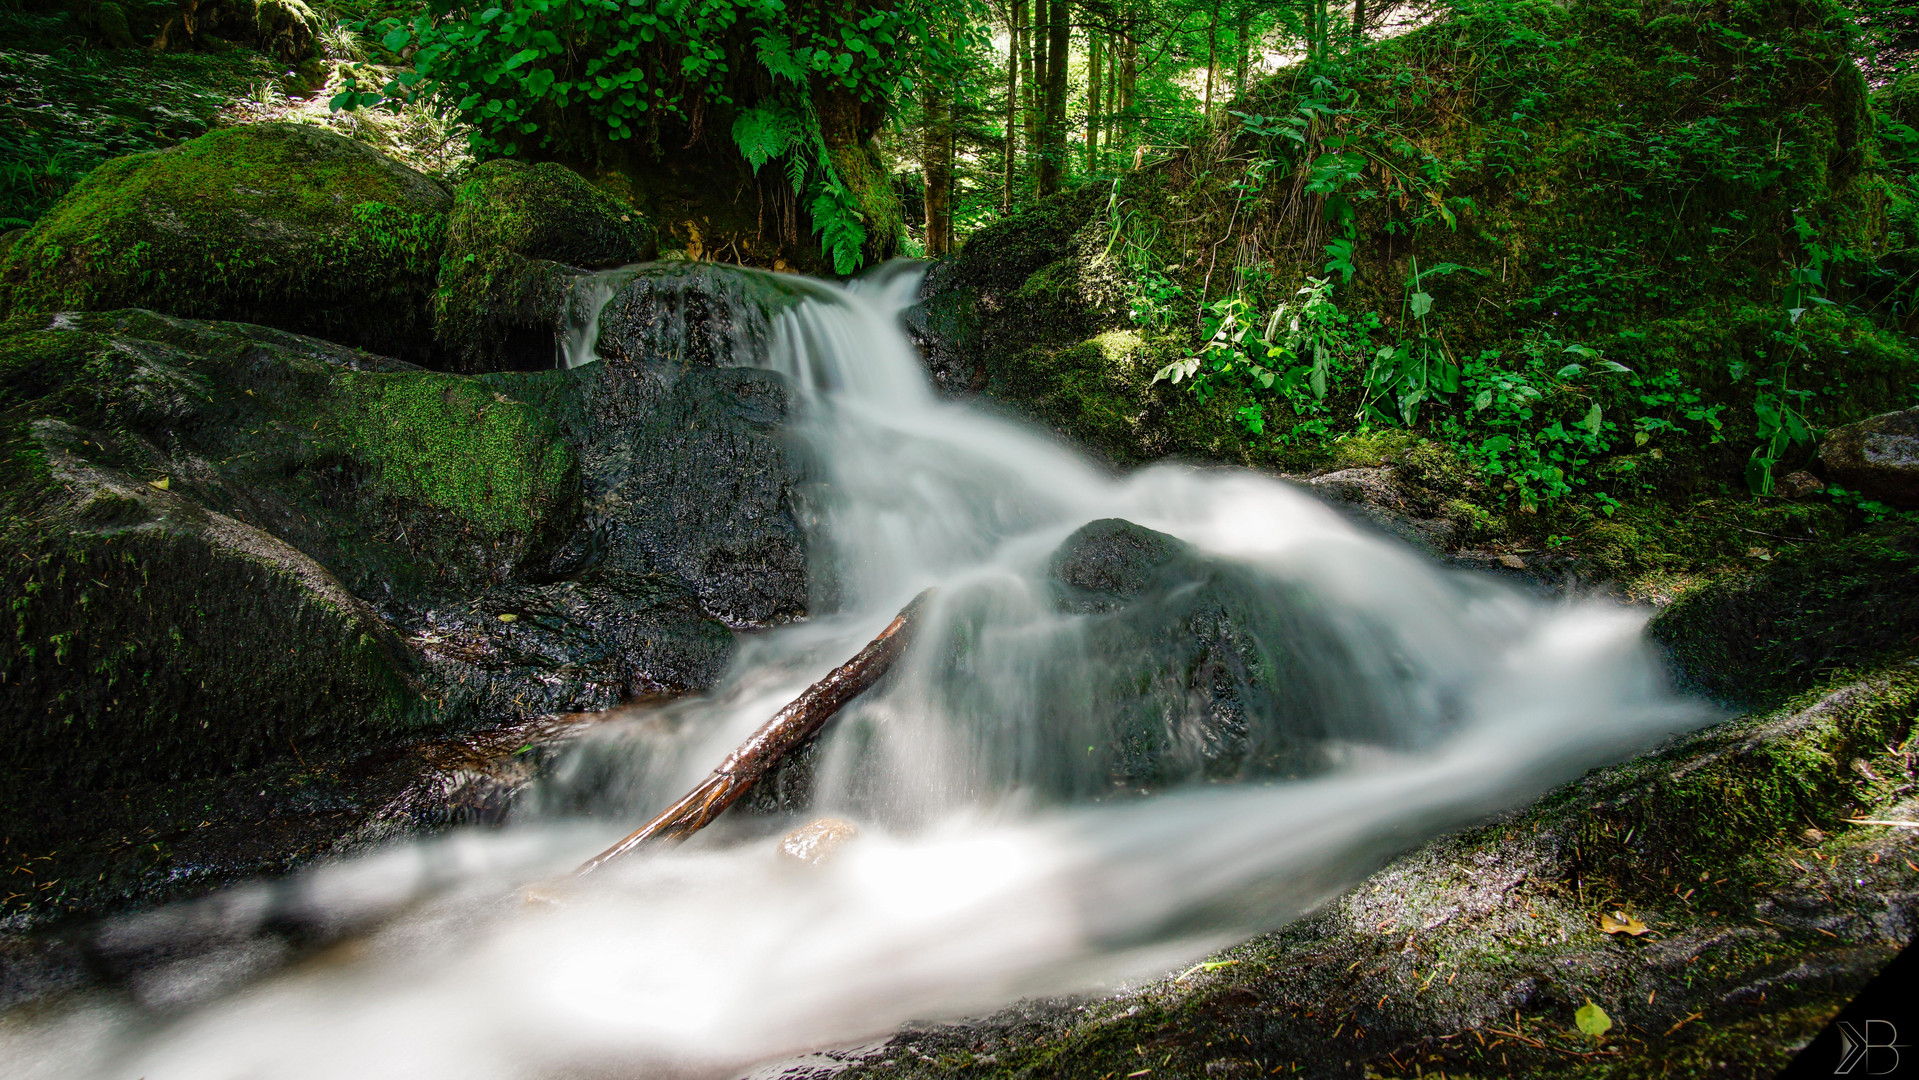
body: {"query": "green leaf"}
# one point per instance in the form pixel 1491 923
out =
pixel 1422 303
pixel 1592 1020
pixel 1591 422
pixel 395 40
pixel 765 131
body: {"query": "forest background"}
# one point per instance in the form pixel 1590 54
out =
pixel 1556 262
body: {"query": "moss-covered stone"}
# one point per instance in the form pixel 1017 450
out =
pixel 518 238
pixel 281 224
pixel 287 30
pixel 1758 635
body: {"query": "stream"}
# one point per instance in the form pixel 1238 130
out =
pixel 1056 789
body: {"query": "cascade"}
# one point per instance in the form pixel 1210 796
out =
pixel 1042 783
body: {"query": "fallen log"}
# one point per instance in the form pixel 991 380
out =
pixel 788 728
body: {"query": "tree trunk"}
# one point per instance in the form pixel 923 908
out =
pixel 936 162
pixel 1052 162
pixel 1212 59
pixel 786 731
pixel 1015 14
pixel 1092 100
pixel 1359 19
pixel 1114 49
pixel 1245 49
pixel 1033 70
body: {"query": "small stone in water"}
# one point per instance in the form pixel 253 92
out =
pixel 1512 562
pixel 816 841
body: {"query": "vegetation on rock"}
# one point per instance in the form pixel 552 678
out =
pixel 281 224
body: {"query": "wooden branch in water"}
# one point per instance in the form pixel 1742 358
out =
pixel 788 728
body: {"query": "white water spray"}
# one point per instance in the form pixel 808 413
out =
pixel 984 871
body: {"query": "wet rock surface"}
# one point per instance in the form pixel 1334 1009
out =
pixel 1471 956
pixel 243 554
pixel 1193 670
pixel 1878 457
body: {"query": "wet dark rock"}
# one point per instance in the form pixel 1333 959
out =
pixel 693 314
pixel 597 642
pixel 1375 497
pixel 255 572
pixel 518 239
pixel 690 472
pixel 1878 457
pixel 1196 668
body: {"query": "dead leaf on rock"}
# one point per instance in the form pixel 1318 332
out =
pixel 1621 923
pixel 163 483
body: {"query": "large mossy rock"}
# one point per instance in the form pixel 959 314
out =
pixel 202 518
pixel 1757 636
pixel 242 560
pixel 284 225
pixel 518 239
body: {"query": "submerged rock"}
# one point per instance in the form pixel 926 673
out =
pixel 519 237
pixel 286 225
pixel 1878 457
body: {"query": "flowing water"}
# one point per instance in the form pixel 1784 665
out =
pixel 1026 826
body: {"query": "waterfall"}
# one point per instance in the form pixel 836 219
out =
pixel 1038 784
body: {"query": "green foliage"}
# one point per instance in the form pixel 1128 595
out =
pixel 63 113
pixel 531 77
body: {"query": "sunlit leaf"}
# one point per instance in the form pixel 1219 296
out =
pixel 1592 1020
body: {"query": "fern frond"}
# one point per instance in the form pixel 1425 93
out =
pixel 765 131
pixel 776 56
pixel 842 233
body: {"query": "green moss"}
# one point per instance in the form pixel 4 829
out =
pixel 455 445
pixel 864 175
pixel 280 224
pixel 1776 629
pixel 516 236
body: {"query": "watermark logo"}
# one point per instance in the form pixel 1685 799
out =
pixel 1868 1048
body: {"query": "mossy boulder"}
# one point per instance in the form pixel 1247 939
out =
pixel 1756 636
pixel 1878 456
pixel 518 239
pixel 284 225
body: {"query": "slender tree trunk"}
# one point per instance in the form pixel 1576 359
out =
pixel 1092 100
pixel 1212 59
pixel 1029 109
pixel 1114 48
pixel 936 161
pixel 1052 163
pixel 952 182
pixel 1015 14
pixel 1245 49
pixel 1128 91
pixel 1359 19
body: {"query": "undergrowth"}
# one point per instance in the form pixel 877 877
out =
pixel 1585 262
